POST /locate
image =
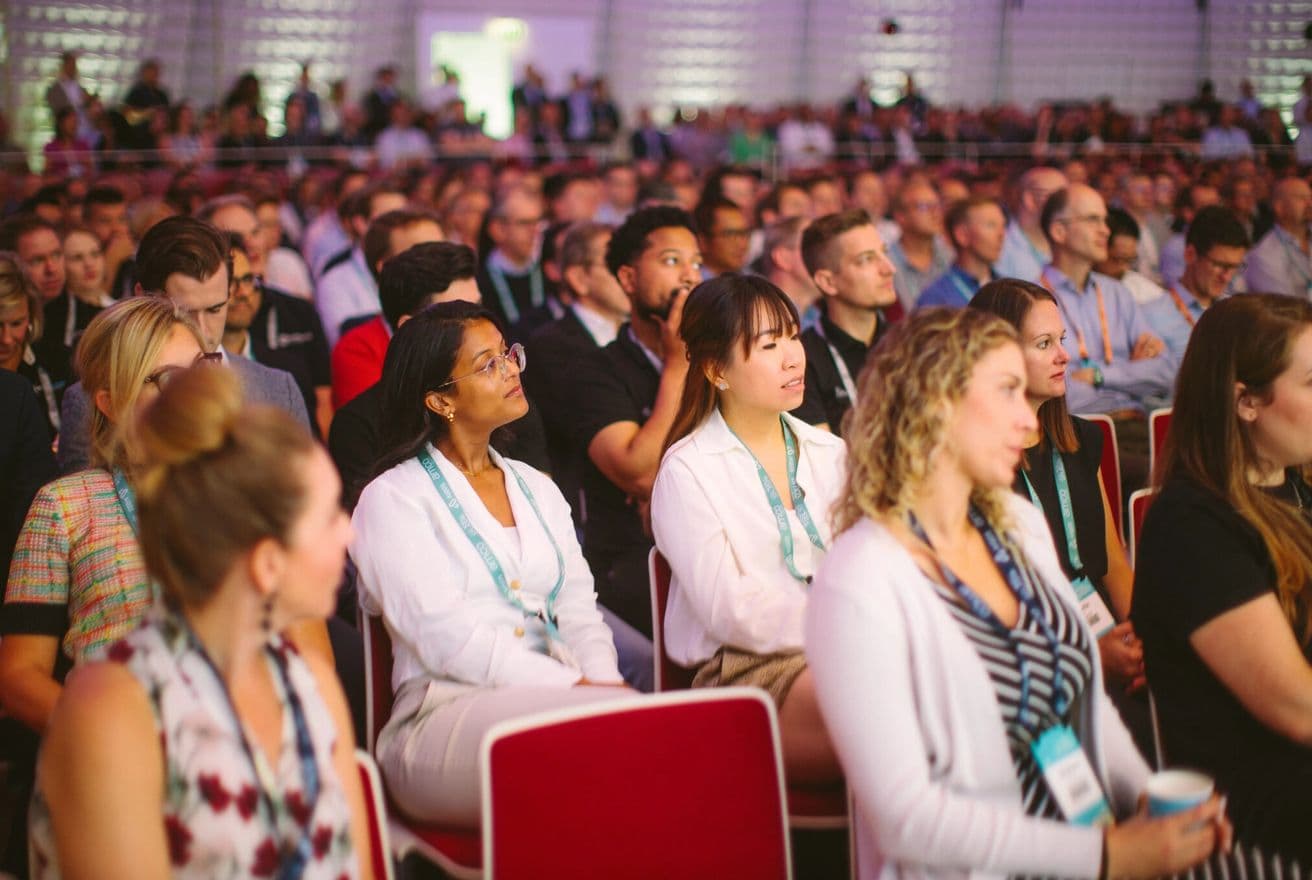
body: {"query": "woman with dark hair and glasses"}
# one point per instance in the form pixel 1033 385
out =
pixel 77 582
pixel 1060 474
pixel 472 561
pixel 1221 592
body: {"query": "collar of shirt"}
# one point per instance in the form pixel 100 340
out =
pixel 628 337
pixel 602 331
pixel 714 436
pixel 851 348
pixel 1290 242
pixel 939 260
pixel 244 351
pixel 1190 301
pixel 502 262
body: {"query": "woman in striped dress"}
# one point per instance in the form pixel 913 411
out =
pixel 961 686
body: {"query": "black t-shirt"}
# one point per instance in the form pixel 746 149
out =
pixel 618 383
pixel 54 350
pixel 826 397
pixel 1197 559
pixel 529 316
pixel 1086 501
pixel 554 352
pixel 286 333
pixel 353 441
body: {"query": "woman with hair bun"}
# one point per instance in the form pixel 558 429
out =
pixel 206 745
pixel 77 582
pixel 960 684
pixel 740 508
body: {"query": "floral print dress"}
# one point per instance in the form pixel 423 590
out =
pixel 227 813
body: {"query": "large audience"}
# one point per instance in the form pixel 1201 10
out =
pixel 853 373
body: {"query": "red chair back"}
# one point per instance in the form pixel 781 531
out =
pixel 378 675
pixel 1140 501
pixel 1159 422
pixel 376 814
pixel 1110 467
pixel 696 791
pixel 670 676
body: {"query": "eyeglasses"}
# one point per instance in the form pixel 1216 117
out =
pixel 1095 219
pixel 248 284
pixel 1226 268
pixel 164 375
pixel 502 362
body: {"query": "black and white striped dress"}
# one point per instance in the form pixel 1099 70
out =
pixel 999 659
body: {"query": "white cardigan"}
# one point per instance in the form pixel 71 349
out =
pixel 711 521
pixel 445 615
pixel 913 716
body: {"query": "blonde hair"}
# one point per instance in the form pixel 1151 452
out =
pixel 920 367
pixel 115 355
pixel 15 290
pixel 219 477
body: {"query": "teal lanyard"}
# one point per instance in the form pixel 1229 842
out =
pixel 1067 508
pixel 777 504
pixel 536 295
pixel 485 552
pixel 127 499
pixel 962 287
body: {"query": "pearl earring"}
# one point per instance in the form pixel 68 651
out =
pixel 722 385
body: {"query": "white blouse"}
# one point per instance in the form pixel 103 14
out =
pixel 712 522
pixel 445 615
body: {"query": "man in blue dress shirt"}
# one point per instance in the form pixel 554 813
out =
pixel 976 226
pixel 1214 253
pixel 1025 249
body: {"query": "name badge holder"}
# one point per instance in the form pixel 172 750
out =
pixel 1056 750
pixel 546 614
pixel 127 502
pixel 1092 607
pixel 777 505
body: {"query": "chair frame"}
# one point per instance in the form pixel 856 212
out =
pixel 378 819
pixel 1159 423
pixel 639 703
pixel 1116 493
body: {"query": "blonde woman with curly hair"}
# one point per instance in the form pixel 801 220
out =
pixel 21 320
pixel 961 687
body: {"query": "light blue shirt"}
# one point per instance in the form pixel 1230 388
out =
pixel 1127 384
pixel 910 281
pixel 1172 262
pixel 1279 265
pixel 954 289
pixel 1164 317
pixel 1020 258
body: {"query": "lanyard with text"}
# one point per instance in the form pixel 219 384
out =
pixel 844 374
pixel 777 505
pixel 1180 304
pixel 127 499
pixel 291 864
pixel 1057 751
pixel 1102 321
pixel 1095 611
pixel 536 294
pixel 548 613
pixel 70 323
pixel 47 392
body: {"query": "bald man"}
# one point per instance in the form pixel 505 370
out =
pixel 1025 249
pixel 1282 261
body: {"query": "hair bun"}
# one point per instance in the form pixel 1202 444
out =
pixel 195 414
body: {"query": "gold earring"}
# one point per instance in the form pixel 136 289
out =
pixel 451 416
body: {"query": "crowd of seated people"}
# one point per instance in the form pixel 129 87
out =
pixel 843 403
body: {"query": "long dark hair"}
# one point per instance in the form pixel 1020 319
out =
pixel 420 359
pixel 1011 300
pixel 1242 340
pixel 719 314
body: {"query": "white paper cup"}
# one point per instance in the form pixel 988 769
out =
pixel 1173 791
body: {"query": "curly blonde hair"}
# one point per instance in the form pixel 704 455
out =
pixel 913 374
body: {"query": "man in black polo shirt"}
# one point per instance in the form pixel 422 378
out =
pixel 626 397
pixel 849 263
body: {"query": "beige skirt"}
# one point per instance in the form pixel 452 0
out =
pixel 772 673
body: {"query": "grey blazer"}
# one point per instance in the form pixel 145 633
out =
pixel 260 383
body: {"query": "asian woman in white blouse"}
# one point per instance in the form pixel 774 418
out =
pixel 472 561
pixel 740 508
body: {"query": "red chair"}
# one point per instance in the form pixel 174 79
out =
pixel 379 845
pixel 457 852
pixel 1140 501
pixel 1159 422
pixel 810 809
pixel 1110 467
pixel 695 791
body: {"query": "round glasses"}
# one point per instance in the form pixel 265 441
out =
pixel 515 354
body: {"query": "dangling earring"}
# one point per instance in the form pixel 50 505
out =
pixel 266 615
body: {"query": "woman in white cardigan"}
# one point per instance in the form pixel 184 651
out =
pixel 740 508
pixel 472 561
pixel 961 686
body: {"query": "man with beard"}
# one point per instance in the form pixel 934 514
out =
pixel 626 397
